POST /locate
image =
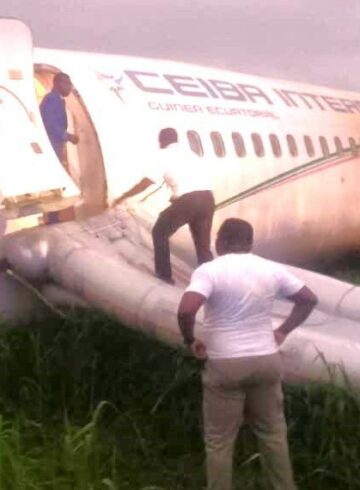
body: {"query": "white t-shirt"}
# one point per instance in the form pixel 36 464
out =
pixel 240 291
pixel 182 170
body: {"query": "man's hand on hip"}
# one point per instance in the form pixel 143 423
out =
pixel 198 349
pixel 279 336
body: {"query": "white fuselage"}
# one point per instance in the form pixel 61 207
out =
pixel 282 155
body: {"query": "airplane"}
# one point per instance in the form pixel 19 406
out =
pixel 283 155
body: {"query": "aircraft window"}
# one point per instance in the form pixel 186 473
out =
pixel 258 145
pixel 353 147
pixel 218 144
pixel 324 146
pixel 338 145
pixel 195 142
pixel 275 145
pixel 239 144
pixel 293 149
pixel 309 146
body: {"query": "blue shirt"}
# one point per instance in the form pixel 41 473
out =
pixel 53 113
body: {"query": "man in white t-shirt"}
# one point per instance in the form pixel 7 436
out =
pixel 192 201
pixel 243 369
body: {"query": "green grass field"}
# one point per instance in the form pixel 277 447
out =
pixel 88 404
pixel 346 268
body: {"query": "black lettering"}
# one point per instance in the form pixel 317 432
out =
pixel 350 105
pixel 153 105
pixel 182 85
pixel 135 78
pixel 334 104
pixel 215 110
pixel 283 97
pixel 300 96
pixel 208 87
pixel 192 108
pixel 287 95
pixel 227 90
pixel 253 93
pixel 314 98
pixel 304 99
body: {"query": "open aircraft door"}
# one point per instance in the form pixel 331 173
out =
pixel 32 179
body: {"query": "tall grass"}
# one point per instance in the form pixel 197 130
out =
pixel 88 404
pixel 346 268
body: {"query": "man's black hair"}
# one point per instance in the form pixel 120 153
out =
pixel 236 232
pixel 168 136
pixel 60 76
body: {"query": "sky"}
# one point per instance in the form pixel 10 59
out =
pixel 313 41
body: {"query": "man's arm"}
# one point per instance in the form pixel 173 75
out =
pixel 305 301
pixel 190 304
pixel 137 189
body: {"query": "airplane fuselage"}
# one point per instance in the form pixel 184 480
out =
pixel 282 155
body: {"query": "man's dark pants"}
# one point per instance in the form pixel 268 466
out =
pixel 195 209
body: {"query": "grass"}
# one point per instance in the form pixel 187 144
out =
pixel 346 268
pixel 88 404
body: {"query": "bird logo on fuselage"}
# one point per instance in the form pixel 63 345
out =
pixel 113 82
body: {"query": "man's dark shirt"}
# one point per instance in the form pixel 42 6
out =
pixel 53 113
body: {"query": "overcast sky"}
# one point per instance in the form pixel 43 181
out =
pixel 315 41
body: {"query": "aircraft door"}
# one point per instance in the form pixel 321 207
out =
pixel 31 177
pixel 84 161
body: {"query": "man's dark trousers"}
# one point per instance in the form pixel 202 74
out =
pixel 195 209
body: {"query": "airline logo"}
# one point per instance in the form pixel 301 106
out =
pixel 114 83
pixel 200 88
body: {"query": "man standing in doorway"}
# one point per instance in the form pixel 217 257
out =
pixel 53 113
pixel 192 202
pixel 243 369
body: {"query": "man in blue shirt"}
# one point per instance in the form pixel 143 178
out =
pixel 53 113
